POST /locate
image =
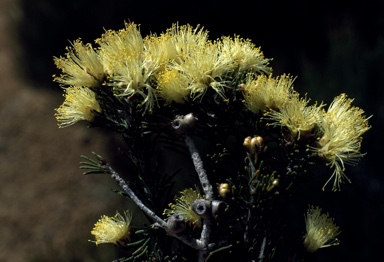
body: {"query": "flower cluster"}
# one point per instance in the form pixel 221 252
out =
pixel 341 126
pixel 242 128
pixel 177 65
pixel 182 64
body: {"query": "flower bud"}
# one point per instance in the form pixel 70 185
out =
pixel 224 190
pixel 247 144
pixel 257 142
pixel 275 183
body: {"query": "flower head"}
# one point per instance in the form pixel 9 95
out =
pixel 184 40
pixel 244 55
pixel 342 128
pixel 115 230
pixel 203 69
pixel 321 230
pixel 297 116
pixel 263 92
pixel 81 66
pixel 160 50
pixel 173 86
pixel 183 207
pixel 118 47
pixel 129 66
pixel 80 104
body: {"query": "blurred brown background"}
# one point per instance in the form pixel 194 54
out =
pixel 47 208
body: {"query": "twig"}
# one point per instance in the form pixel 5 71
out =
pixel 181 125
pixel 192 242
pixel 207 188
pixel 134 198
pixel 204 240
pixel 199 168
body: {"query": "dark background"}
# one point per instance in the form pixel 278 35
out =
pixel 333 47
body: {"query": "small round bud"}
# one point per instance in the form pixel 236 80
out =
pixel 275 183
pixel 247 145
pixel 224 190
pixel 241 86
pixel 258 143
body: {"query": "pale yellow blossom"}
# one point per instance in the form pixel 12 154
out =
pixel 244 55
pixel 186 40
pixel 183 206
pixel 118 47
pixel 342 127
pixel 160 50
pixel 173 86
pixel 130 69
pixel 173 53
pixel 321 230
pixel 203 69
pixel 262 93
pixel 81 66
pixel 194 59
pixel 299 117
pixel 114 230
pixel 80 104
pixel 173 46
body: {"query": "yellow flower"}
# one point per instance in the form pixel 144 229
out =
pixel 321 230
pixel 171 53
pixel 203 68
pixel 79 104
pixel 115 230
pixel 173 86
pixel 297 116
pixel 342 127
pixel 81 66
pixel 265 93
pixel 160 50
pixel 196 60
pixel 183 207
pixel 118 47
pixel 185 40
pixel 129 67
pixel 244 55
